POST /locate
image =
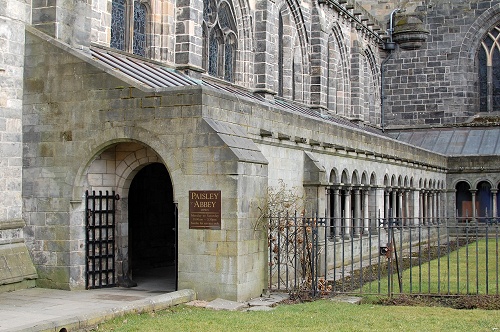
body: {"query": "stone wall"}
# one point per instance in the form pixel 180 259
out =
pixel 16 268
pixel 437 84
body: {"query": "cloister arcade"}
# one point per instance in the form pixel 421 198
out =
pixel 357 205
pixel 477 199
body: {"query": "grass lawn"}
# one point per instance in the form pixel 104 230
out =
pixel 321 315
pixel 454 274
pixel 472 269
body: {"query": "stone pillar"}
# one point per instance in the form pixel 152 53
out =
pixel 337 213
pixel 379 209
pixel 416 207
pixel 357 212
pixel 16 267
pixel 366 212
pixel 407 207
pixel 347 213
pixel 188 34
pixel 394 198
pixel 494 213
pixel 425 210
pixel 473 192
pixel 432 206
pixel 66 20
pixel 438 206
pixel 329 212
pixel 400 208
pixel 319 69
pixel 265 47
pixel 387 194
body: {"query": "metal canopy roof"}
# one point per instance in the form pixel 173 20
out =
pixel 146 73
pixel 154 75
pixel 453 141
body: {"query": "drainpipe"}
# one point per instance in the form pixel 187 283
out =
pixel 390 45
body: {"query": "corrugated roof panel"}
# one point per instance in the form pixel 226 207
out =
pixel 146 73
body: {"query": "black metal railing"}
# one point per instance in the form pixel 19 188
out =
pixel 451 256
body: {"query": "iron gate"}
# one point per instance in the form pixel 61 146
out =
pixel 100 239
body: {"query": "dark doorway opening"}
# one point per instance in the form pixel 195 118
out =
pixel 152 229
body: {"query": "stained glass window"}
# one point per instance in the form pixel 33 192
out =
pixel 228 60
pixel 488 60
pixel 118 25
pixel 139 37
pixel 213 53
pixel 121 37
pixel 220 41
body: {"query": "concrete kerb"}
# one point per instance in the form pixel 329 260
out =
pixel 88 320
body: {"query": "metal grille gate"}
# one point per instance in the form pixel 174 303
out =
pixel 100 239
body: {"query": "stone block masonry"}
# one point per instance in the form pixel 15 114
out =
pixel 16 269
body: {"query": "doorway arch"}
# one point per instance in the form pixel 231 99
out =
pixel 152 224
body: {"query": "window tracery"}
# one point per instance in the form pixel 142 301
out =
pixel 219 39
pixel 488 59
pixel 128 26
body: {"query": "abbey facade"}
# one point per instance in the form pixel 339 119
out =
pixel 145 134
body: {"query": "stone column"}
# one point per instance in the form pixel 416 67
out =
pixel 357 212
pixel 425 210
pixel 188 32
pixel 347 213
pixel 337 215
pixel 67 20
pixel 387 194
pixel 473 212
pixel 265 48
pixel 495 207
pixel 394 198
pixel 430 206
pixel 400 208
pixel 366 212
pixel 407 207
pixel 438 206
pixel 416 207
pixel 379 209
pixel 329 212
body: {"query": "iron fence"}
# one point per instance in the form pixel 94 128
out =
pixel 390 256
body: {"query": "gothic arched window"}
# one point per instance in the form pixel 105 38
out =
pixel 488 59
pixel 219 39
pixel 128 26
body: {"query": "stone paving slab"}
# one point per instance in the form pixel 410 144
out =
pixel 221 304
pixel 40 309
pixel 347 299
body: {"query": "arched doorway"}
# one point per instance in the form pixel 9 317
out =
pixel 152 229
pixel 463 203
pixel 484 199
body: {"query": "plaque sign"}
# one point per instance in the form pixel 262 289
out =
pixel 204 209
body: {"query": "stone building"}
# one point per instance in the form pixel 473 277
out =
pixel 120 118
